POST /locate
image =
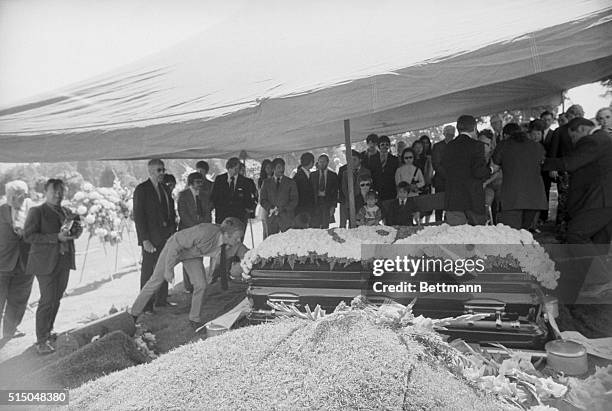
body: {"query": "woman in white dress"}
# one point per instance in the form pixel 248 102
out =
pixel 410 173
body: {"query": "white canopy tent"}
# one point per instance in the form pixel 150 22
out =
pixel 282 76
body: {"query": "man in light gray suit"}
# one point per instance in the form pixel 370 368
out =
pixel 194 207
pixel 189 246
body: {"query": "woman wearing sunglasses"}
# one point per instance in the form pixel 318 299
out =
pixel 410 173
pixel 365 186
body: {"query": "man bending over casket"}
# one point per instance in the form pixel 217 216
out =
pixel 189 246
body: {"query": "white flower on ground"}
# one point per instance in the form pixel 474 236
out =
pixel 82 210
pixel 90 219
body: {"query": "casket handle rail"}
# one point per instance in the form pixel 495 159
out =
pixel 486 306
pixel 286 298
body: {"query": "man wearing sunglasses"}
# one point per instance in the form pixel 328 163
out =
pixel 155 221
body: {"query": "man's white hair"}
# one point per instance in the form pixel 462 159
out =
pixel 15 187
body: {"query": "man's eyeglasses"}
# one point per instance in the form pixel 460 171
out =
pixel 384 144
pixel 364 184
pixel 161 170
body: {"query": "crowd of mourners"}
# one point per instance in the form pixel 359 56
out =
pixel 501 174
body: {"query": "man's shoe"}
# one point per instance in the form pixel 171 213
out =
pixel 44 348
pixel 166 304
pixel 195 324
pixel 52 337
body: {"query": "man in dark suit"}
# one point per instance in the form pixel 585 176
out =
pixel 252 189
pixel 15 285
pixel 205 189
pixel 231 194
pixel 50 259
pixel 324 183
pixel 589 202
pixel 388 165
pixel 436 159
pixel 589 205
pixel 560 146
pixel 155 221
pixel 304 187
pixel 371 160
pixel 465 169
pixel 279 197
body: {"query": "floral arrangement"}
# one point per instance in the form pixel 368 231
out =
pixel 511 376
pixel 103 210
pixel 498 241
pixel 500 246
pixel 146 342
pixel 335 246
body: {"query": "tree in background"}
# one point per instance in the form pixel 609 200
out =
pixel 107 178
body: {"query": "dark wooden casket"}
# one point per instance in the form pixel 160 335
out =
pixel 513 300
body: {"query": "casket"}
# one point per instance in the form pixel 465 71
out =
pixel 513 299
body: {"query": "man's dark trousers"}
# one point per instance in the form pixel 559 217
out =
pixel 52 288
pixel 146 271
pixel 15 288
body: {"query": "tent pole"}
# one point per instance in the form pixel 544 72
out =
pixel 349 170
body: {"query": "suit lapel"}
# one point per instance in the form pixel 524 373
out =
pixel 193 203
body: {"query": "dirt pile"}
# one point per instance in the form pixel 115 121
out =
pixel 345 360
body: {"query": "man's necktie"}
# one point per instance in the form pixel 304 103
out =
pixel 232 185
pixel 322 182
pixel 277 183
pixel 199 206
pixel 164 202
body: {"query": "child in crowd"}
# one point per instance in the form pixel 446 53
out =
pixel 370 213
pixel 402 210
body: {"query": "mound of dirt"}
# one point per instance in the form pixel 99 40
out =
pixel 343 361
pixel 113 352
